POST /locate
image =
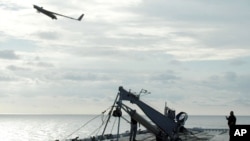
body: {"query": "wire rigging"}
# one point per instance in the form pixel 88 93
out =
pixel 86 124
pixel 113 126
pixel 99 128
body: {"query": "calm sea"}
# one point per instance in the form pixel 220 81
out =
pixel 52 127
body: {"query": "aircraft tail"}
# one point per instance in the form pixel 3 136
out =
pixel 80 18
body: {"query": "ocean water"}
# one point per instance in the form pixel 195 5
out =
pixel 52 127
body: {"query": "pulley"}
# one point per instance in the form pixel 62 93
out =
pixel 117 112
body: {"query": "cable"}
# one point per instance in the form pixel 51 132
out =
pixel 113 126
pixel 85 124
pixel 98 128
pixel 103 121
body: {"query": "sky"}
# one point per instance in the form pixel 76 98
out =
pixel 192 54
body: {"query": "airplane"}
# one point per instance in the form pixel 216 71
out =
pixel 53 14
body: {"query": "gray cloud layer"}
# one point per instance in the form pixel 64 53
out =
pixel 193 54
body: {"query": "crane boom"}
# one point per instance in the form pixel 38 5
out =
pixel 158 118
pixel 167 127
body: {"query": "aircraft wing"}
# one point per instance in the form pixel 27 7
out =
pixel 79 19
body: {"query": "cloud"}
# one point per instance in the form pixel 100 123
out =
pixel 200 33
pixel 191 53
pixel 10 6
pixel 8 54
pixel 230 76
pixel 4 77
pixel 230 82
pixel 237 62
pixel 41 64
pixel 86 76
pixel 16 68
pixel 48 35
pixel 166 77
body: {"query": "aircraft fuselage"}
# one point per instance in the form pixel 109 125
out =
pixel 46 12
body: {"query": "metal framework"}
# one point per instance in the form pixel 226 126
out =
pixel 164 128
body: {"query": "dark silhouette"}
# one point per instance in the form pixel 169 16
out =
pixel 231 121
pixel 133 130
pixel 53 14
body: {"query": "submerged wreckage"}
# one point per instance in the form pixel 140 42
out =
pixel 165 127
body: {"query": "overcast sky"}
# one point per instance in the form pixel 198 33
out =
pixel 194 54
